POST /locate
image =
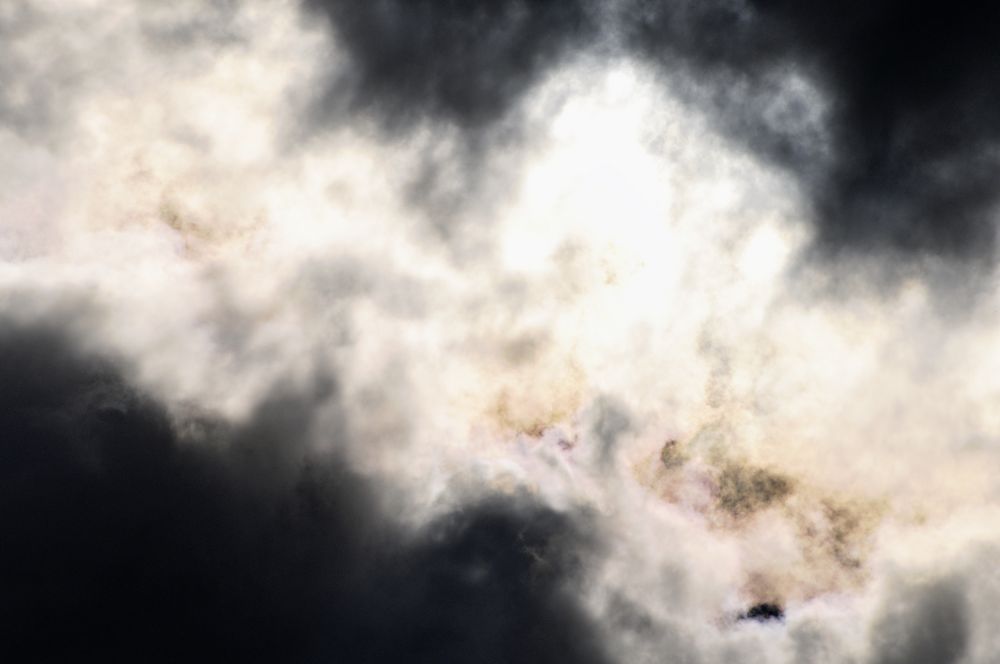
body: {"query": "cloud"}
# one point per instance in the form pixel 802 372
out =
pixel 451 79
pixel 881 111
pixel 924 624
pixel 321 395
pixel 132 534
pixel 906 156
pixel 467 63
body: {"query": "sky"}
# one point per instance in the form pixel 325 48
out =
pixel 499 331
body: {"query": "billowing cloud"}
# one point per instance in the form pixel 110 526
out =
pixel 882 111
pixel 906 157
pixel 135 535
pixel 497 331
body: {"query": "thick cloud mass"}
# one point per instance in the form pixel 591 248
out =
pixel 908 153
pixel 125 540
pixel 912 89
pixel 606 406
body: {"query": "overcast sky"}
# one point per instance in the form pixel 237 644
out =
pixel 499 331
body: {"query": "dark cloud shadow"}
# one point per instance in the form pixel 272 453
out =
pixel 912 143
pixel 131 536
pixel 464 63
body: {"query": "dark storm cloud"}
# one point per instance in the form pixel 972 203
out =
pixel 464 62
pixel 129 537
pixel 914 87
